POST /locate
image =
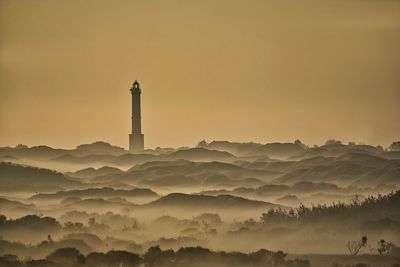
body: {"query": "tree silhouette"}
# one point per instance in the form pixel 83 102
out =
pixel 384 247
pixel 356 246
pixel 395 146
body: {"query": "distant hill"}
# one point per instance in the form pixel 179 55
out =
pixel 271 150
pixel 175 203
pixel 74 159
pixel 199 153
pixel 35 152
pixel 45 152
pixel 350 168
pixel 98 204
pixel 120 160
pixel 235 148
pixel 10 204
pixel 186 201
pixel 308 191
pixel 280 150
pixel 16 177
pixel 207 179
pixel 338 149
pixel 194 154
pixel 289 200
pixel 187 173
pixel 104 192
pixel 99 147
pixel 131 159
pixel 169 181
pixel 15 207
pixel 92 172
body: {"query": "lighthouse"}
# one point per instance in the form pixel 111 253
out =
pixel 136 138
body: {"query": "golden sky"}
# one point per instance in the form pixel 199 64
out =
pixel 240 70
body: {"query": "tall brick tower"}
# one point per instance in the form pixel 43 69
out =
pixel 136 138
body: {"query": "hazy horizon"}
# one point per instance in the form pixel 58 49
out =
pixel 126 147
pixel 264 71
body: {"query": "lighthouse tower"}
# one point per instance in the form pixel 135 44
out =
pixel 136 138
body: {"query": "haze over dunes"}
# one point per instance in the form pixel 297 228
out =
pixel 219 195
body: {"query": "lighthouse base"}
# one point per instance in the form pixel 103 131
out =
pixel 136 142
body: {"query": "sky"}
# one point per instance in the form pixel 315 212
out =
pixel 238 70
